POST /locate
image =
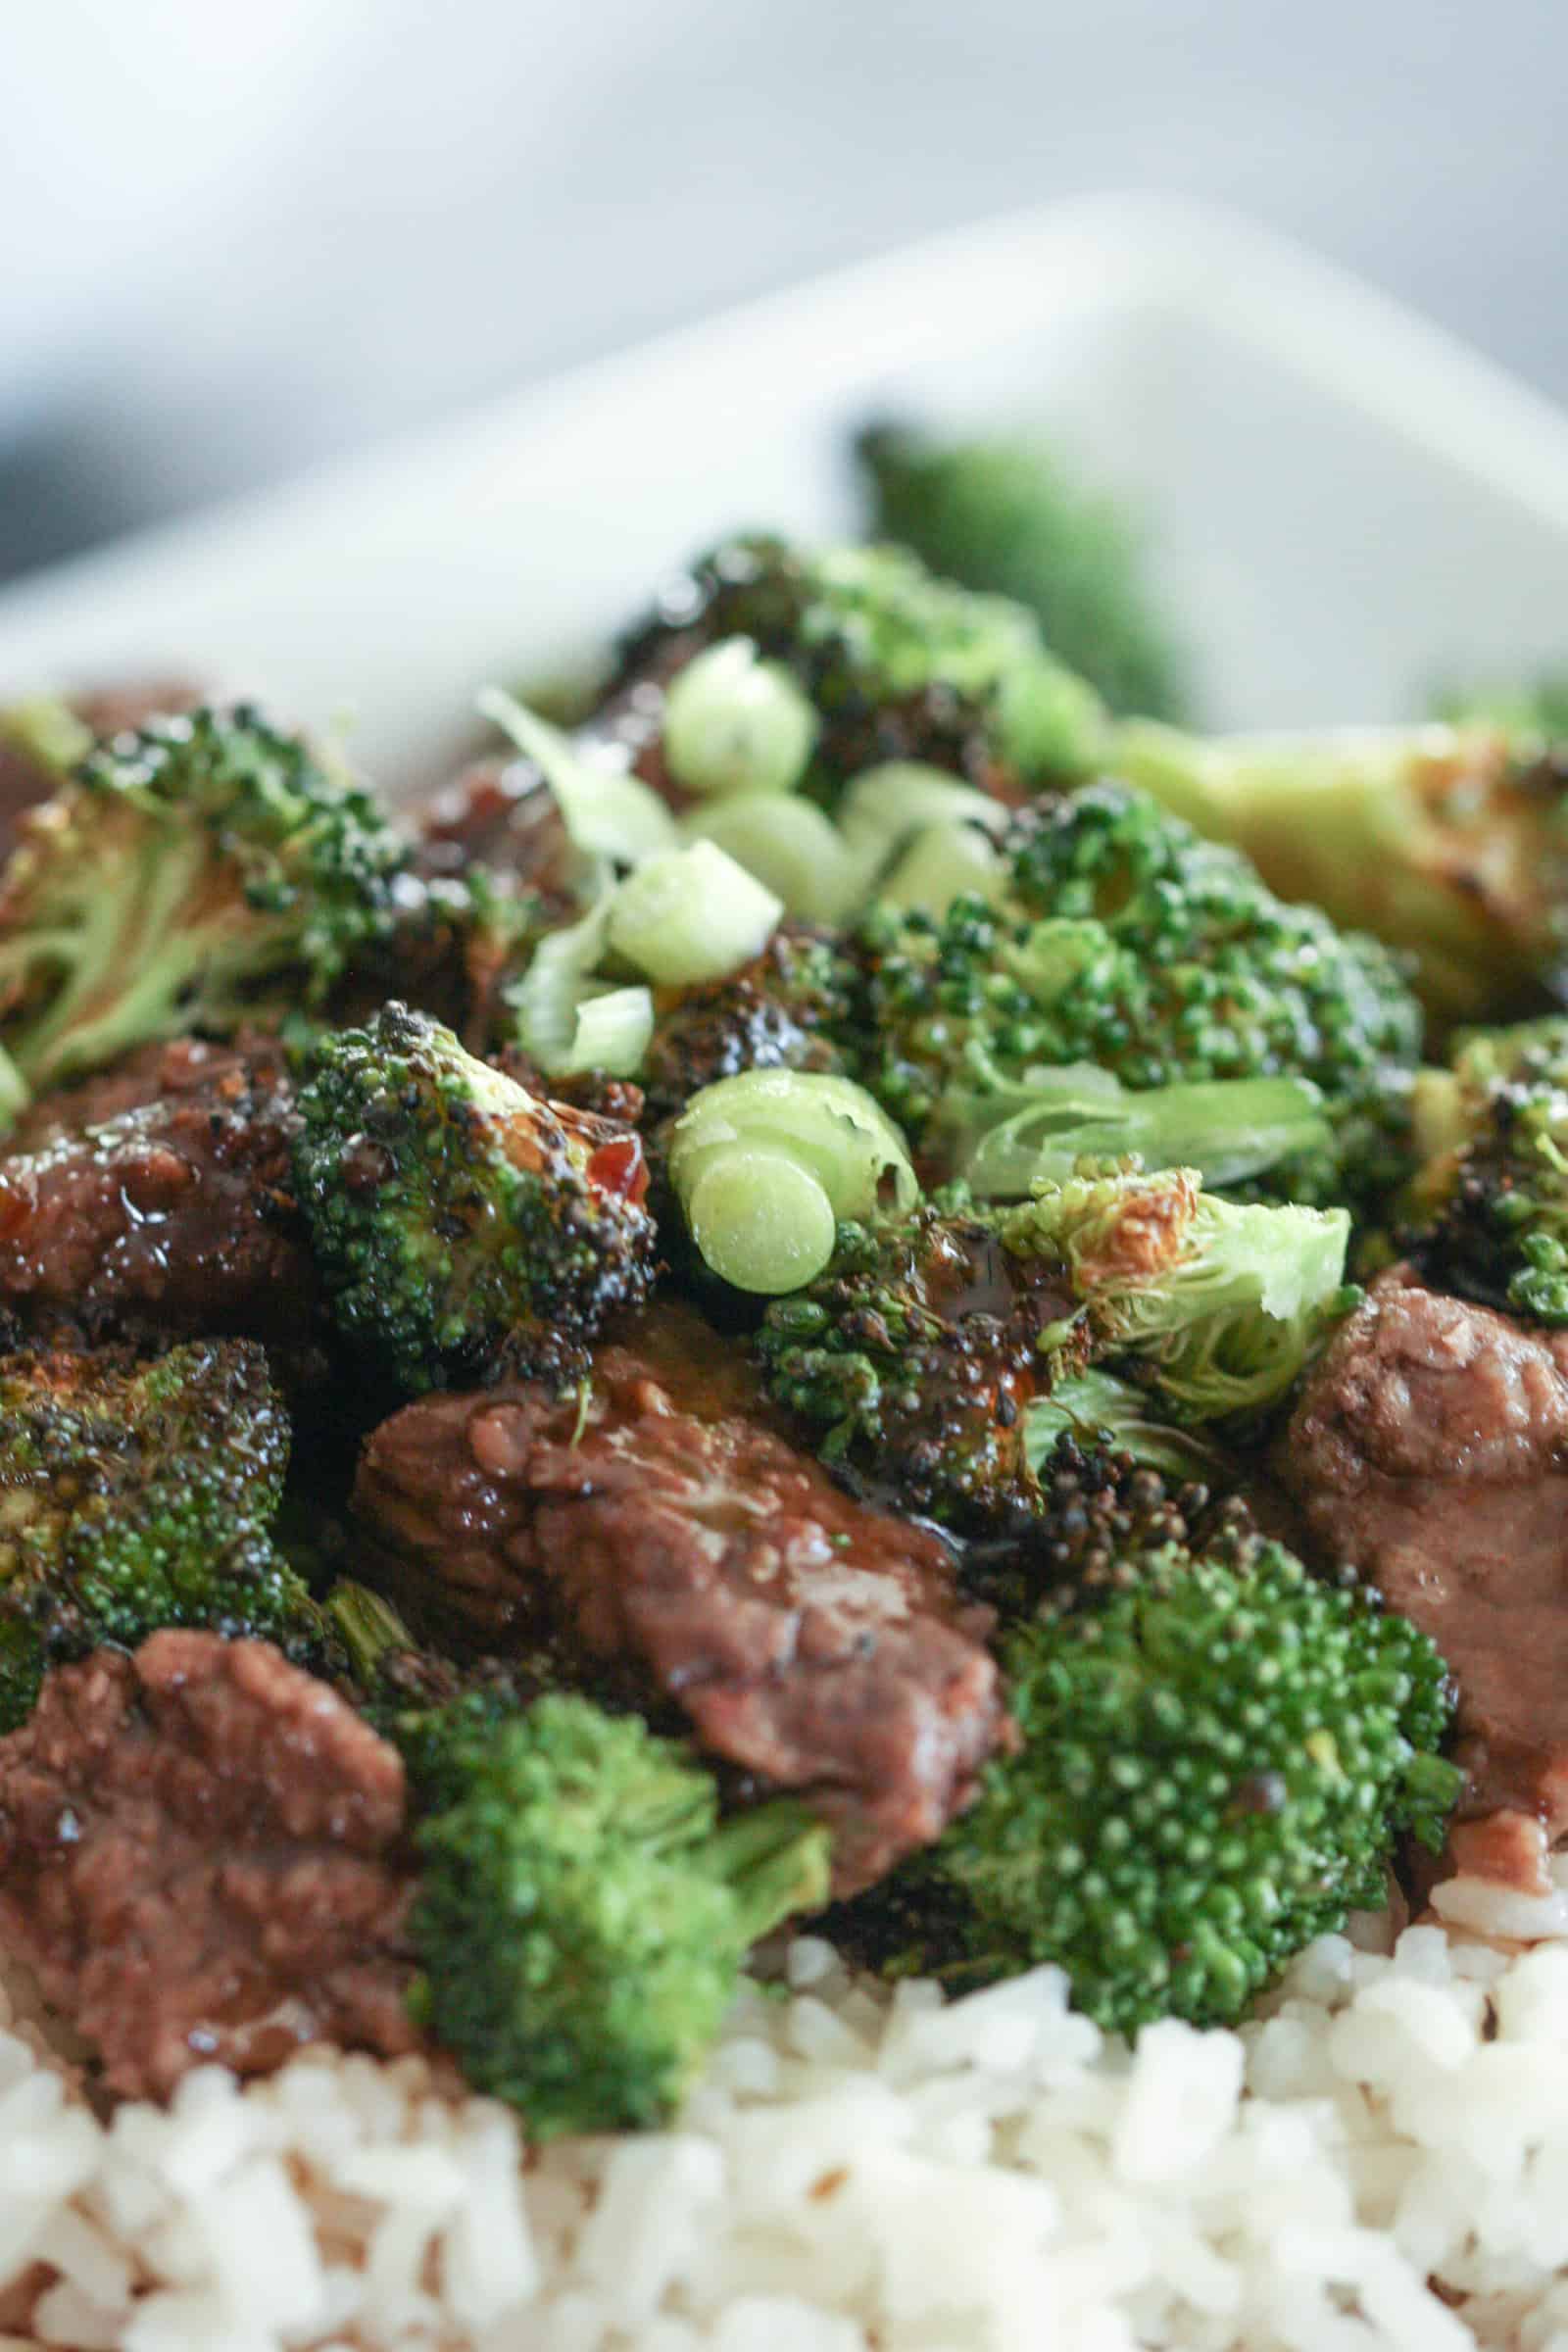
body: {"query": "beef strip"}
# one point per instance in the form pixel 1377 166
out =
pixel 201 1859
pixel 175 1215
pixel 1431 1449
pixel 813 1642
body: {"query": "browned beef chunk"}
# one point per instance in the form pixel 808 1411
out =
pixel 499 813
pixel 184 1065
pixel 200 1858
pixel 175 1216
pixel 1431 1448
pixel 811 1642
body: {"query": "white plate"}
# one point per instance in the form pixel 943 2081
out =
pixel 1348 502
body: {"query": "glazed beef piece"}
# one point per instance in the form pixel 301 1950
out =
pixel 184 1065
pixel 201 1859
pixel 175 1216
pixel 499 813
pixel 811 1643
pixel 1431 1449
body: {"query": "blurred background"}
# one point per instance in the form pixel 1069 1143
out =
pixel 239 240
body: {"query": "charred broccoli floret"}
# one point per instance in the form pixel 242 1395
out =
pixel 930 1346
pixel 205 872
pixel 462 1226
pixel 1103 1512
pixel 1488 1213
pixel 896 663
pixel 1129 944
pixel 1450 843
pixel 790 1008
pixel 1003 516
pixel 915 1355
pixel 136 1495
pixel 1215 1764
pixel 583 1914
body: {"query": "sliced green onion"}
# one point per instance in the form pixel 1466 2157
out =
pixel 884 808
pixel 614 1031
pixel 761 1220
pixel 15 1093
pixel 608 812
pixel 734 722
pixel 552 992
pixel 765 1164
pixel 944 862
pixel 788 845
pixel 690 915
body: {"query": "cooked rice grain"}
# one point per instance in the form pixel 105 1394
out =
pixel 1381 2161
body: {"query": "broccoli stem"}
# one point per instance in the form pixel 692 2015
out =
pixel 1006 1142
pixel 771 1860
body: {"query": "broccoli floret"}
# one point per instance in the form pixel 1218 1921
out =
pixel 1130 944
pixel 583 1915
pixel 1004 516
pixel 931 1345
pixel 136 1495
pixel 205 872
pixel 915 1356
pixel 1216 1761
pixel 462 1226
pixel 1102 1511
pixel 897 664
pixel 1486 1215
pixel 1216 1304
pixel 1449 843
pixel 790 1008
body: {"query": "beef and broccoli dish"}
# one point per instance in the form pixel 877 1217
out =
pixel 873 1284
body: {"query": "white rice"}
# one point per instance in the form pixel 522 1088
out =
pixel 1380 2161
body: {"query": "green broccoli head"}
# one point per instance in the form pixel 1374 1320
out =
pixel 1216 1303
pixel 897 664
pixel 1003 516
pixel 1103 1510
pixel 915 1355
pixel 136 1495
pixel 1214 1766
pixel 1129 944
pixel 1488 1211
pixel 583 1915
pixel 463 1227
pixel 943 1352
pixel 205 872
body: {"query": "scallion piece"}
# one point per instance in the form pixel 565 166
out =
pixel 789 846
pixel 766 1163
pixel 734 722
pixel 690 915
pixel 608 812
